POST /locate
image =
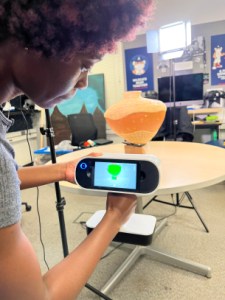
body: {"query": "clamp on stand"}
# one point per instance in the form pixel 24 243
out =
pixel 61 202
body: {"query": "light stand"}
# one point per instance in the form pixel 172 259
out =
pixel 174 121
pixel 171 115
pixel 173 40
pixel 60 203
pixel 170 41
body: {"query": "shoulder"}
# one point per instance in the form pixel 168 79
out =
pixel 10 202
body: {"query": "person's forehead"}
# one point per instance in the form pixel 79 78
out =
pixel 87 59
pixel 78 59
pixel 91 56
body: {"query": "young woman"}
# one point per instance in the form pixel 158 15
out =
pixel 46 51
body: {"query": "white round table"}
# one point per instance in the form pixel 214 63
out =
pixel 184 166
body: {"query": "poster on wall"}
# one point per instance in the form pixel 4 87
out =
pixel 218 59
pixel 90 100
pixel 139 69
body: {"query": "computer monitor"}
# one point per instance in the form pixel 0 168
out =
pixel 188 89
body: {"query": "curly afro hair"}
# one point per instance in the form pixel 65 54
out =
pixel 60 28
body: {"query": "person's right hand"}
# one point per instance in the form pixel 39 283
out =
pixel 121 206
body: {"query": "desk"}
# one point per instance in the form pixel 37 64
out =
pixel 205 111
pixel 200 124
pixel 207 125
pixel 184 167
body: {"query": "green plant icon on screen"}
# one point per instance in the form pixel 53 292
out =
pixel 114 170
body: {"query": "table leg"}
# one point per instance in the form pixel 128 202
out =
pixel 139 207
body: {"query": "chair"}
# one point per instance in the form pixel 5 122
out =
pixel 82 128
pixel 177 126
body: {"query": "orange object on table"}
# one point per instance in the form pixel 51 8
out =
pixel 136 118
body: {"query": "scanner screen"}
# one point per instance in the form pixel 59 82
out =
pixel 115 175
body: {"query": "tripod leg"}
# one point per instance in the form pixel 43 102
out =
pixel 149 202
pixel 190 199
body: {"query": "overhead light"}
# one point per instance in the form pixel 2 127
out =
pixel 173 39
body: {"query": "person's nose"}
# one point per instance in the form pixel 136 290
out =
pixel 82 82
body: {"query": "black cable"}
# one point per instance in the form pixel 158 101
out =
pixel 83 225
pixel 37 202
pixel 111 251
pixel 27 135
pixel 40 230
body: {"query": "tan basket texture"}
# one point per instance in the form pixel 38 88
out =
pixel 138 137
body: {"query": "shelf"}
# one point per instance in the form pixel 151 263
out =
pixel 204 111
pixel 204 123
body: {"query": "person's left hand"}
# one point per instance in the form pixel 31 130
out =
pixel 71 165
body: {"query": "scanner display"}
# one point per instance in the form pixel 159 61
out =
pixel 115 175
pixel 120 173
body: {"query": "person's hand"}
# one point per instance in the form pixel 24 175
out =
pixel 71 165
pixel 122 206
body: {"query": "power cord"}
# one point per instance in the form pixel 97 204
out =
pixel 83 225
pixel 111 251
pixel 27 135
pixel 37 200
pixel 40 230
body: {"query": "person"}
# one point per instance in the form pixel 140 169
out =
pixel 46 51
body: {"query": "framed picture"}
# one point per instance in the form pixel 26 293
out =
pixel 90 100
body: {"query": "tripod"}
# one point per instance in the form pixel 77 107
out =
pixel 49 132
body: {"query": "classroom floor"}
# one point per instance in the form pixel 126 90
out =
pixel 147 279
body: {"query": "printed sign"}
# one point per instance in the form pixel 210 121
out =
pixel 218 59
pixel 139 69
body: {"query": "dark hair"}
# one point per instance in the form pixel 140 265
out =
pixel 61 27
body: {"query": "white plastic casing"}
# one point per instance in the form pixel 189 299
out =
pixel 125 157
